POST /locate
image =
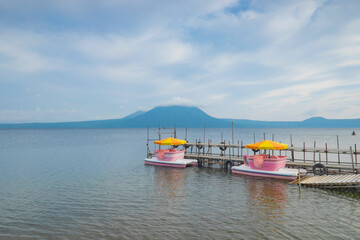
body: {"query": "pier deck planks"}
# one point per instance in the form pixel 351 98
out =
pixel 332 181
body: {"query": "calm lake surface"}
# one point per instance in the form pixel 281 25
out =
pixel 93 184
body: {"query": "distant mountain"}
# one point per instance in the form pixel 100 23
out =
pixel 320 122
pixel 191 117
pixel 176 115
pixel 135 114
pixel 244 123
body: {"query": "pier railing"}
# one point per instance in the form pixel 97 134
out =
pixel 332 158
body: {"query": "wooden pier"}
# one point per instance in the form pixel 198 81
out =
pixel 226 154
pixel 331 181
pixel 340 166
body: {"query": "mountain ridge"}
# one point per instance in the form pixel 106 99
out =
pixel 191 117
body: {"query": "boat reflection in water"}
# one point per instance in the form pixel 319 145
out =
pixel 267 198
pixel 169 182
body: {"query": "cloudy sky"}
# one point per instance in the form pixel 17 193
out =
pixel 71 60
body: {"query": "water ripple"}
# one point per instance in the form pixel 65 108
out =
pixel 87 184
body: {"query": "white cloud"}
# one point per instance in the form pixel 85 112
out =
pixel 124 74
pixel 281 56
pixel 218 97
pixel 156 48
pixel 20 52
pixel 109 47
pixel 249 15
pixel 181 101
pixel 288 20
pixel 172 52
pixel 301 91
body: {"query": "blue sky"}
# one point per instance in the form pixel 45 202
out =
pixel 74 60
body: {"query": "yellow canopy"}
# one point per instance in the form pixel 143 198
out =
pixel 268 145
pixel 170 141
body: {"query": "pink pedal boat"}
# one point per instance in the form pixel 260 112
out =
pixel 267 166
pixel 170 157
pixel 262 166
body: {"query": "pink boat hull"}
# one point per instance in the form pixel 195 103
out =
pixel 165 164
pixel 269 175
pixel 170 158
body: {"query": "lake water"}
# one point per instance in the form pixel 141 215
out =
pixel 93 184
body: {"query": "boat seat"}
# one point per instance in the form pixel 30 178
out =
pixel 161 153
pixel 258 161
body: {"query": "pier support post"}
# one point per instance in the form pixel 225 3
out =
pixel 338 146
pixel 229 151
pixel 147 143
pixel 242 148
pixel 204 137
pixel 272 139
pixel 314 150
pixel 232 134
pixel 356 162
pixel 238 143
pixel 304 150
pixel 352 159
pixel 326 152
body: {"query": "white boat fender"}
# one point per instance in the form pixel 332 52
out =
pixel 319 169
